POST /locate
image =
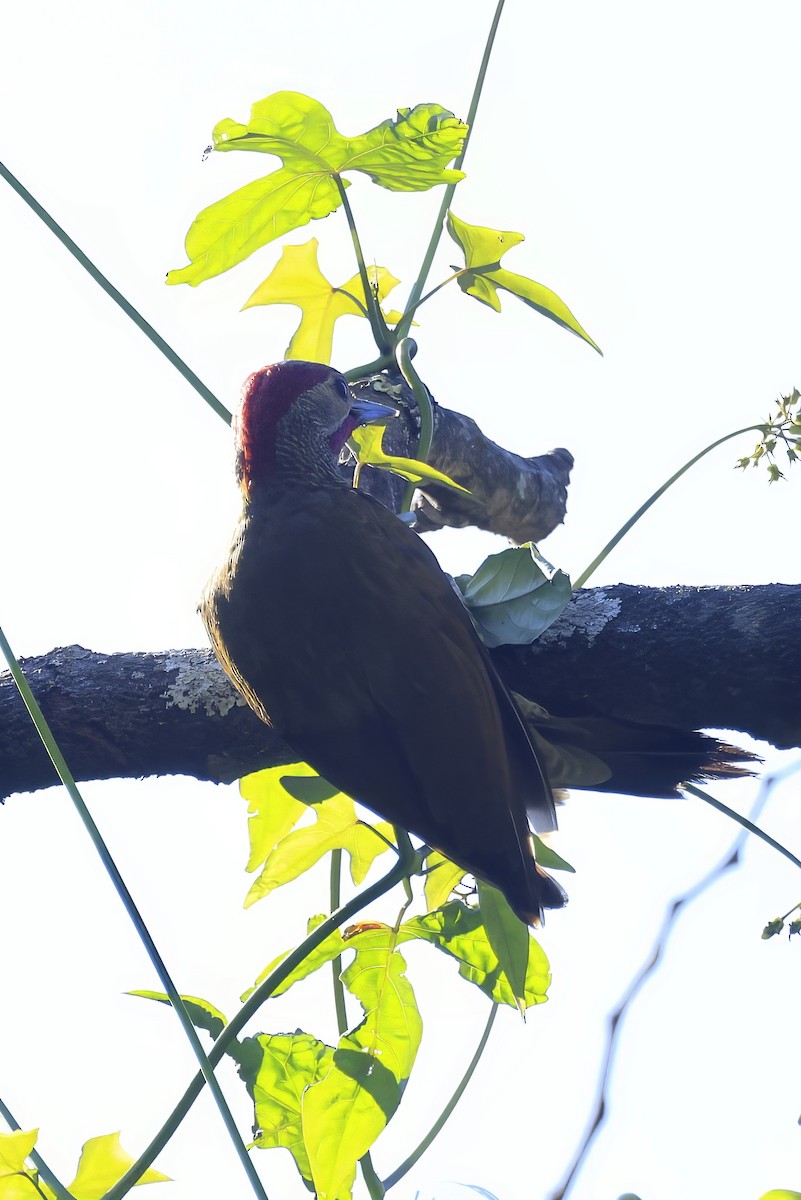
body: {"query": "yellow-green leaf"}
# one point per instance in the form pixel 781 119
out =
pixel 484 247
pixel 290 1064
pixel 409 153
pixel 17 1180
pixel 345 1113
pixel 202 1013
pixel 297 279
pixel 103 1161
pixel 328 950
pixel 341 1120
pixel 442 876
pixel 508 937
pixel 458 930
pixel 337 827
pixel 14 1149
pixel 273 810
pixel 367 443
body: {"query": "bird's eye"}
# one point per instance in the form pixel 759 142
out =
pixel 344 390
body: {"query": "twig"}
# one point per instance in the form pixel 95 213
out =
pixel 731 859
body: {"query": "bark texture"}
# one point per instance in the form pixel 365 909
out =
pixel 523 499
pixel 723 658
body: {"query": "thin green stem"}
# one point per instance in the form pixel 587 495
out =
pixel 485 270
pixel 372 368
pixel 373 1184
pixel 420 1150
pixel 355 299
pixel 643 509
pixel 384 340
pixel 746 824
pixel 424 407
pixel 117 296
pixel 66 777
pixel 262 993
pixel 405 322
pixel 49 1177
pixel 336 964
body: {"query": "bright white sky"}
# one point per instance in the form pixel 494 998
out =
pixel 650 155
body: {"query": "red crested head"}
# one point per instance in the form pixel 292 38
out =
pixel 267 396
pixel 293 422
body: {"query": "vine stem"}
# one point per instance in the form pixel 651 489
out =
pixel 424 406
pixel 405 322
pixel 616 1019
pixel 435 1129
pixel 117 296
pixel 49 1177
pixel 66 777
pixel 335 891
pixel 395 875
pixel 744 821
pixel 643 509
pixel 382 336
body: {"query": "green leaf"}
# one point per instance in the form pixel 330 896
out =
pixel 328 950
pixel 392 1028
pixel 341 1120
pixel 548 858
pixel 514 596
pixel 273 810
pixel 407 154
pixel 337 826
pixel 202 1014
pixel 367 441
pixel 508 937
pixel 16 1179
pixel 458 930
pixel 103 1161
pixel 442 876
pixel 297 279
pixel 14 1149
pixel 291 1063
pixel 485 247
pixel 345 1113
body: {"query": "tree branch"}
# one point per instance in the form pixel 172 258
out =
pixel 724 657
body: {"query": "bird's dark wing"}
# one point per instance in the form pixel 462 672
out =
pixel 395 700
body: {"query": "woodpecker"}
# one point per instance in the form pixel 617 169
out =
pixel 337 625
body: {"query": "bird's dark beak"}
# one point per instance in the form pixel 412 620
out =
pixel 370 410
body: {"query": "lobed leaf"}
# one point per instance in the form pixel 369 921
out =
pixel 274 811
pixel 297 279
pixel 508 937
pixel 442 876
pixel 409 153
pixel 328 950
pixel 337 827
pixel 345 1113
pixel 458 930
pixel 484 247
pixel 103 1161
pixel 291 1062
pixel 202 1013
pixel 367 442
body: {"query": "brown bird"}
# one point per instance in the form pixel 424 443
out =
pixel 340 629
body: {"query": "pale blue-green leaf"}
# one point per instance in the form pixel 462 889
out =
pixel 514 596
